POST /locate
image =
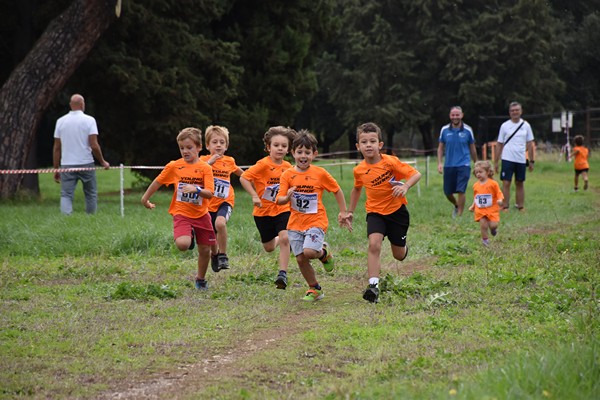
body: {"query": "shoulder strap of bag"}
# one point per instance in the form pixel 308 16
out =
pixel 513 134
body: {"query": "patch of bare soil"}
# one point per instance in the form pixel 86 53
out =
pixel 214 367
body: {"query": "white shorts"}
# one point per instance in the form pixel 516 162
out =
pixel 311 238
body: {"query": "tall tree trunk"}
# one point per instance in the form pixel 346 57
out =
pixel 428 142
pixel 41 75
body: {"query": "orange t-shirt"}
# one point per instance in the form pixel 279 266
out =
pixel 187 204
pixel 379 179
pixel 307 209
pixel 222 170
pixel 486 196
pixel 581 157
pixel 265 175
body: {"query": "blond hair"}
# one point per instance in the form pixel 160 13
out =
pixel 216 130
pixel 486 166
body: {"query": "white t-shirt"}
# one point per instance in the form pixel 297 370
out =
pixel 515 149
pixel 73 130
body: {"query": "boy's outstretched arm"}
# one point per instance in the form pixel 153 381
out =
pixel 154 186
pixel 249 187
pixel 354 196
pixel 288 196
pixel 343 214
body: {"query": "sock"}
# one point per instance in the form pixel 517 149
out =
pixel 282 272
pixel 316 286
pixel 374 281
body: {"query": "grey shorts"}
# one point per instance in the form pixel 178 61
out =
pixel 311 238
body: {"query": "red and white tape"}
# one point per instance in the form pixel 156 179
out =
pixel 53 170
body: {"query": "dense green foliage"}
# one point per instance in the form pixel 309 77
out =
pixel 326 66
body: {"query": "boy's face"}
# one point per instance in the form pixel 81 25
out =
pixel 279 147
pixel 189 150
pixel 217 145
pixel 369 144
pixel 303 157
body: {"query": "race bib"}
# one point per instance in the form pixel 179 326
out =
pixel 305 203
pixel 222 188
pixel 192 198
pixel 270 193
pixel 483 200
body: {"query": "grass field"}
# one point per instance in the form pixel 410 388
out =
pixel 104 306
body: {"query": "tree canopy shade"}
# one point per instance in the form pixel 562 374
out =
pixel 41 75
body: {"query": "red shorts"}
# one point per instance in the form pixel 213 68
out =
pixel 203 229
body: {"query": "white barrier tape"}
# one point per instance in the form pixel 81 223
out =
pixel 53 170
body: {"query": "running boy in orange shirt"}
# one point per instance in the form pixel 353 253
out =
pixel 193 186
pixel 387 215
pixel 221 205
pixel 261 181
pixel 302 186
pixel 580 152
pixel 488 199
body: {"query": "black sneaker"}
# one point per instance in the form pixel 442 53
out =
pixel 193 243
pixel 201 284
pixel 222 261
pixel 281 281
pixel 214 263
pixel 371 294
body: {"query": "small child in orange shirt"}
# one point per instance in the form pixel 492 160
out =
pixel 487 200
pixel 387 215
pixel 221 205
pixel 261 181
pixel 303 186
pixel 193 185
pixel 580 152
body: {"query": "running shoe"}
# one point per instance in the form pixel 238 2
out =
pixel 313 295
pixel 281 281
pixel 327 258
pixel 371 294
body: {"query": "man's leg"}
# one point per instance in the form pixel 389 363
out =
pixel 506 193
pixel 68 183
pixel 460 203
pixel 90 190
pixel 520 196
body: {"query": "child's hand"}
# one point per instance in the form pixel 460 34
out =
pixel 187 188
pixel 214 158
pixel 472 207
pixel 500 203
pixel 147 204
pixel 256 201
pixel 400 190
pixel 345 220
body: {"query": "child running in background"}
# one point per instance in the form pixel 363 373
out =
pixel 221 205
pixel 193 186
pixel 387 215
pixel 302 186
pixel 580 152
pixel 487 200
pixel 261 181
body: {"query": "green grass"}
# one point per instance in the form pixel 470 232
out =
pixel 93 306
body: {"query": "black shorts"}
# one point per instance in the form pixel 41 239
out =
pixel 394 225
pixel 580 171
pixel 269 227
pixel 224 211
pixel 509 168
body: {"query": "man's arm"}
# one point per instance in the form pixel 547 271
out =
pixel 531 155
pixel 498 155
pixel 473 151
pixel 56 151
pixel 97 151
pixel 440 156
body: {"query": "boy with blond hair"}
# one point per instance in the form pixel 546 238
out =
pixel 193 186
pixel 302 186
pixel 221 205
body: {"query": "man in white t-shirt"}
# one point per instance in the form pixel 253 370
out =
pixel 75 145
pixel 514 140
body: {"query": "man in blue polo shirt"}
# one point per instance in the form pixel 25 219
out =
pixel 457 145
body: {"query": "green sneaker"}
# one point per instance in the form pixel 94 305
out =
pixel 327 258
pixel 313 295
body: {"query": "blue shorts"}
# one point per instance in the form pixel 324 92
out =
pixel 509 168
pixel 456 179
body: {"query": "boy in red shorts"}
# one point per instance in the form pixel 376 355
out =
pixel 193 186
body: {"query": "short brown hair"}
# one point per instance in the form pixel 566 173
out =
pixel 578 140
pixel 281 131
pixel 369 127
pixel 486 165
pixel 305 139
pixel 191 133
